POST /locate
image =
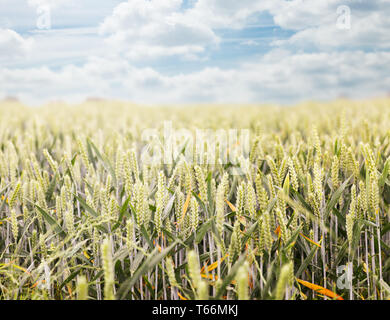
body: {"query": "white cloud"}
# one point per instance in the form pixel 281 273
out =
pixel 249 42
pixel 23 15
pixel 56 48
pixel 228 13
pixel 78 62
pixel 366 32
pixel 279 76
pixel 156 28
pixel 13 45
pixel 316 23
pixel 51 3
pixel 302 14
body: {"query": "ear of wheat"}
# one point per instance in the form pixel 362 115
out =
pixel 83 215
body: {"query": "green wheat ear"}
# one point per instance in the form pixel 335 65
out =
pixel 84 214
pixel 242 279
pixel 82 288
pixel 284 279
pixel 193 268
pixel 108 269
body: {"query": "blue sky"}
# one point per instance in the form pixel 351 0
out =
pixel 182 51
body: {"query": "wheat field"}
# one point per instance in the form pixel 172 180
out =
pixel 83 215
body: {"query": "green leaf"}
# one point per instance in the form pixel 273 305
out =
pixel 92 212
pixel 121 214
pixel 168 207
pixel 149 264
pixel 230 277
pixel 385 173
pixel 200 201
pixel 385 229
pixel 209 195
pixel 86 206
pixel 248 234
pixel 53 223
pixel 342 253
pixel 306 262
pixel 106 163
pixel 51 188
pixel 70 278
pixel 147 238
pixel 356 236
pixel 292 239
pixel 202 230
pixel 269 279
pixel 335 198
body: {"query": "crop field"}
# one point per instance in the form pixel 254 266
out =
pixel 108 200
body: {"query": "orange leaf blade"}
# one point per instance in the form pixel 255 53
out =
pixel 185 207
pixel 231 206
pixel 311 241
pixel 320 290
pixel 181 297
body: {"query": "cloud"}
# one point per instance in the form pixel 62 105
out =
pixel 317 24
pixel 140 29
pixel 249 42
pixel 283 76
pixel 279 76
pixel 315 61
pixel 139 26
pixel 228 13
pixel 13 45
pixel 50 3
pixel 302 14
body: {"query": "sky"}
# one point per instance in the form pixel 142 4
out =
pixel 194 51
